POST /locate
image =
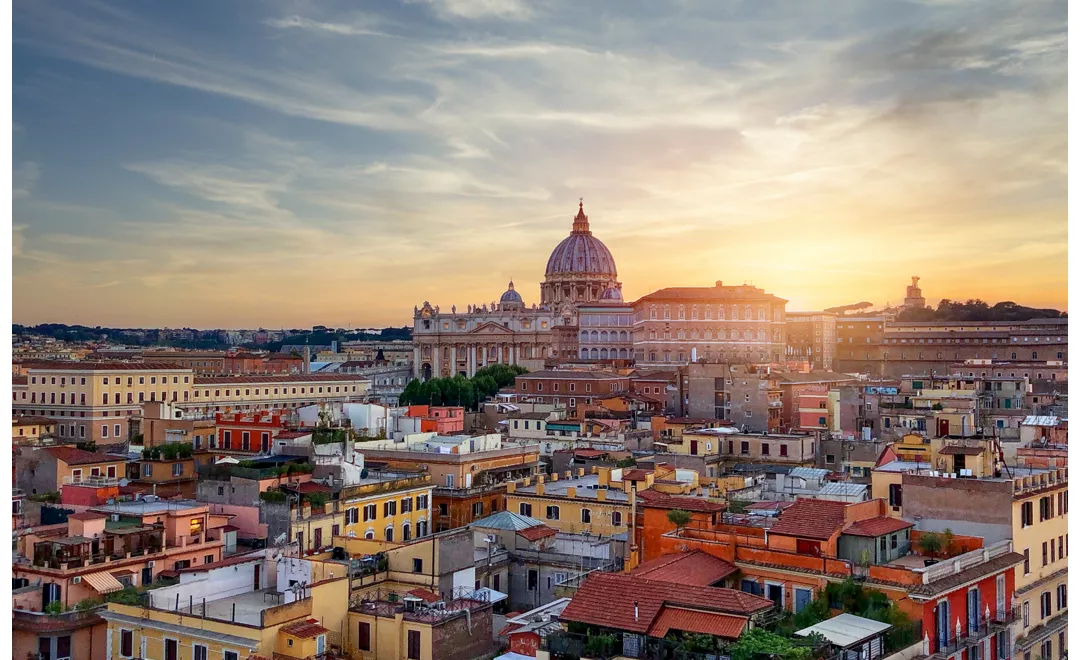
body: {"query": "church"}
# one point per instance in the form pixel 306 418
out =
pixel 580 272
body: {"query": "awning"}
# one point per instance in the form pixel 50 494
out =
pixel 489 595
pixel 103 582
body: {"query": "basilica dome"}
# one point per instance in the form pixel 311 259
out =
pixel 511 296
pixel 581 252
pixel 611 294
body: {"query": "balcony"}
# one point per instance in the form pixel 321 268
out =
pixel 91 482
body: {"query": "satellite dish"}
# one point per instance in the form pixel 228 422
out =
pixel 123 482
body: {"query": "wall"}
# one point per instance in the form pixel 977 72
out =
pixel 967 506
pixel 213 585
pixel 463 638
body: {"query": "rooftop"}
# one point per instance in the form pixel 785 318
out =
pixel 76 456
pixel 877 526
pixel 143 507
pixel 279 378
pixel 507 520
pixel 846 630
pixel 696 568
pixel 813 519
pixel 554 374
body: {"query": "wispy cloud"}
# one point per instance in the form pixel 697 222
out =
pixel 431 150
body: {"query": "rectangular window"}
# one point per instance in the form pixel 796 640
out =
pixel 1062 597
pixel 1027 561
pixel 1044 605
pixel 406 504
pixel 534 578
pixel 230 655
pixel 199 652
pixel 896 495
pixel 744 447
pixel 127 643
pixel 178 469
pixel 1045 555
pixel 414 645
pixel 477 509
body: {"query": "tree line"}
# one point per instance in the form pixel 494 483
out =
pixel 459 390
pixel 978 310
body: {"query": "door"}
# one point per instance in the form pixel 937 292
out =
pixel 973 610
pixel 1001 597
pixel 693 447
pixel 172 649
pixel 147 576
pixel 943 624
pixel 318 537
pixel 258 570
pixel 943 427
pixel 775 593
pixel 802 598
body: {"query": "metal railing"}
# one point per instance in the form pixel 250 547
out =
pixel 93 482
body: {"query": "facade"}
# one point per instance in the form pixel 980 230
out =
pixel 212 394
pixel 49 469
pixel 223 611
pixel 391 507
pixel 880 347
pixel 677 326
pixel 507 332
pixel 468 485
pixel 93 401
pixel 569 388
pixel 32 430
pixel 811 336
pixel 606 331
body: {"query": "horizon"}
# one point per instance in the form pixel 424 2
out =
pixel 214 167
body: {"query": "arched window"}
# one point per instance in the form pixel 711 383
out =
pixel 734 313
pixel 388 533
pixel 708 312
pixel 761 313
pixel 584 336
pixel 369 534
pixel 720 313
pixel 603 336
pixel 667 313
pixel 682 312
pixel 760 334
pixel 603 354
pixel 623 354
pixel 421 528
pixel 594 336
pixel 708 333
pixel 652 356
pixel 693 312
pixel 584 354
pixel 652 312
pixel 594 354
pixel 623 336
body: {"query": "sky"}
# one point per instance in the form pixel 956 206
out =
pixel 291 163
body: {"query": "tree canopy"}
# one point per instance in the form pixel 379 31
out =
pixel 459 390
pixel 978 310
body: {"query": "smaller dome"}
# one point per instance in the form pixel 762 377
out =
pixel 611 294
pixel 511 296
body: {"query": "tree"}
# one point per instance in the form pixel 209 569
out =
pixel 679 518
pixel 930 543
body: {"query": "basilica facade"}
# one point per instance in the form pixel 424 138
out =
pixel 580 272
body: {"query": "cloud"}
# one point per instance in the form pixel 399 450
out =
pixel 24 177
pixel 793 147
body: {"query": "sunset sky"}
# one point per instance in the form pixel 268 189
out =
pixel 284 164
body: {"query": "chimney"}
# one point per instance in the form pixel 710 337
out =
pixel 571 492
pixel 307 359
pixel 635 611
pixel 539 479
pixel 540 488
pixel 601 495
pixel 581 472
pixel 554 476
pixel 511 486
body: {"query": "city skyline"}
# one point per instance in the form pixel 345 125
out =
pixel 299 165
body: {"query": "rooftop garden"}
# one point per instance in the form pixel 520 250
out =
pixel 169 452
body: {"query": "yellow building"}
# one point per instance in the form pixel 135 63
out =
pixel 418 628
pixel 391 508
pixel 597 503
pixel 286 608
pixel 32 430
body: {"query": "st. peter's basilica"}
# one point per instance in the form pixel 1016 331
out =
pixel 580 271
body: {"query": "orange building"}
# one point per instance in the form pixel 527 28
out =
pixel 444 420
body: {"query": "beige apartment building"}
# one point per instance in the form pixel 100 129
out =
pixel 94 401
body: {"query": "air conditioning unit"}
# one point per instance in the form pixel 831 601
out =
pixel 150 564
pixel 116 517
pixel 77 579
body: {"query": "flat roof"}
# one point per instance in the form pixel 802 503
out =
pixel 142 507
pixel 846 630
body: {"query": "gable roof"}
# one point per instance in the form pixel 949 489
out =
pixel 692 504
pixel 708 623
pixel 76 456
pixel 695 567
pixel 877 526
pixel 609 599
pixel 812 519
pixel 507 520
pixel 536 533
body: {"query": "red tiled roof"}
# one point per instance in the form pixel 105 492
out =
pixel 536 533
pixel 635 474
pixel 769 506
pixel 812 519
pixel 76 456
pixel 509 628
pixel 695 567
pixel 877 526
pixel 87 515
pixel 589 453
pixel 650 495
pixel 608 600
pixel 425 595
pixel 291 435
pixel 304 629
pixel 693 504
pixel 709 623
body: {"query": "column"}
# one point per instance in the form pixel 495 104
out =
pixel 470 361
pixel 513 353
pixel 436 360
pixel 416 361
pixel 453 360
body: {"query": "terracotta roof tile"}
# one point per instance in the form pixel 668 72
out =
pixel 812 519
pixel 950 582
pixel 608 600
pixel 696 567
pixel 76 456
pixel 304 629
pixel 277 378
pixel 692 504
pixel 958 450
pixel 709 623
pixel 425 595
pixel 877 526
pixel 536 533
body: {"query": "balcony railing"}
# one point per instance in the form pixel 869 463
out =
pixel 92 482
